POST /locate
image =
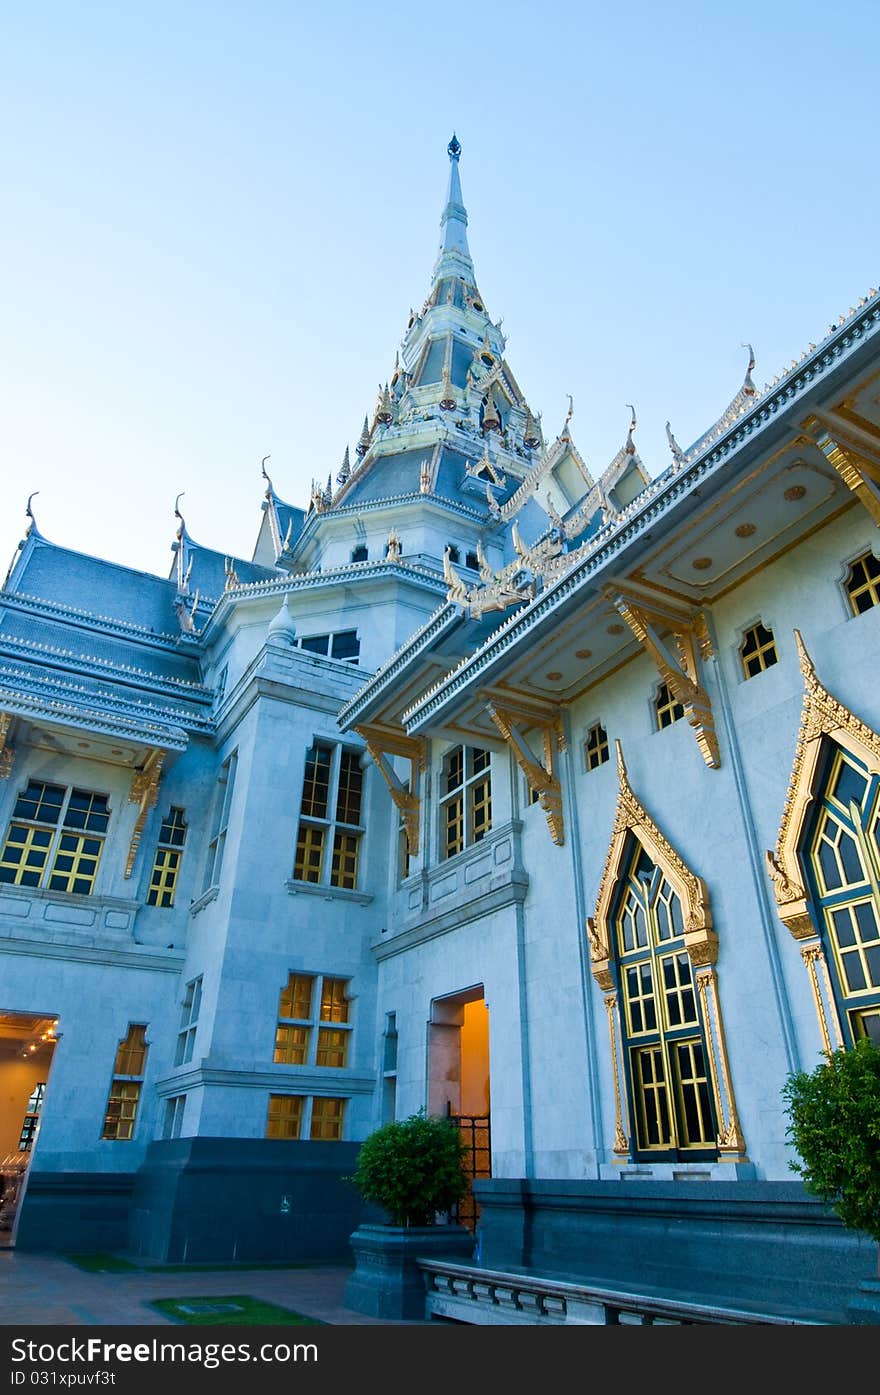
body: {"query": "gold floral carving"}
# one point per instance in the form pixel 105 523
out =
pixel 815 961
pixel 822 716
pixel 731 1144
pixel 857 464
pixel 630 816
pixel 7 754
pixel 145 792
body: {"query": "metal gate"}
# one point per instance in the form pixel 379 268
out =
pixel 474 1129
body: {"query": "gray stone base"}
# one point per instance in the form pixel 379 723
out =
pixel 387 1282
pixel 865 1307
pixel 77 1212
pixel 242 1199
pixel 765 1246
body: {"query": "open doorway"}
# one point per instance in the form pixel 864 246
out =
pixel 458 1080
pixel 27 1045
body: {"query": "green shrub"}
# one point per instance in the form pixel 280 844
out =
pixel 412 1168
pixel 834 1114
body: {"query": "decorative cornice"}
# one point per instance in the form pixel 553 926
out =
pixel 657 499
pixel 68 714
pixel 105 624
pixel 57 688
pixel 93 664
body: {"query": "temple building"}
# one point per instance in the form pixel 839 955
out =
pixel 542 796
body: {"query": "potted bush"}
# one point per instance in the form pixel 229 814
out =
pixel 834 1114
pixel 413 1169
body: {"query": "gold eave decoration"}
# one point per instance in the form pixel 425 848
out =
pixel 540 774
pixel 630 816
pixel 144 792
pixel 822 715
pixel 678 666
pixel 7 754
pixel 382 742
pixel 853 453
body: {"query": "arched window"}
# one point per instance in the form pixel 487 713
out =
pixel 862 583
pixel 670 1088
pixel 841 859
pixel 667 708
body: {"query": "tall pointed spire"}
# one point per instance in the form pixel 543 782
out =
pixel 453 223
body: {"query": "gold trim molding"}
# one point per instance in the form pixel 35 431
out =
pixel 822 715
pixel 621 1142
pixel 853 454
pixel 630 816
pixel 145 792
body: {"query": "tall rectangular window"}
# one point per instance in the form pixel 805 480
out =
pixel 327 1118
pixel 330 827
pixel 466 800
pixel 223 804
pixel 313 1025
pixel 31 1118
pixel 126 1085
pixel 166 863
pixel 174 1112
pixel 55 838
pixel 284 1119
pixel 189 1017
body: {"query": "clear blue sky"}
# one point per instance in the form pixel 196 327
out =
pixel 216 217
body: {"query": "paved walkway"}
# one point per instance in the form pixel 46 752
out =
pixel 38 1289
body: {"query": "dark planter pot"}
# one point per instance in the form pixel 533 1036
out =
pixel 386 1281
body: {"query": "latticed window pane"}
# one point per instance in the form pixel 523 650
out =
pixel 309 853
pixel 343 871
pixel 652 1098
pixel 482 809
pixel 119 1120
pixel 296 998
pixel 667 707
pixel 867 1024
pixel 332 1046
pixel 693 1085
pixel 334 1003
pixel 863 583
pixel 351 778
pixel 316 785
pixel 678 990
pixel 285 1116
pixel 642 1008
pixel 132 1052
pixel 39 803
pixel 76 863
pixel 454 769
pixel 596 748
pixel 25 854
pixel 327 1116
pixel 291 1045
pixel 163 878
pixel 481 760
pixel 758 650
pixel 453 816
pixel 87 811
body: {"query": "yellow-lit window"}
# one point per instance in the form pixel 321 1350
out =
pixel 758 650
pixel 166 864
pixel 667 707
pixel 466 802
pixel 67 826
pixel 294 1024
pixel 284 1119
pixel 327 1118
pixel 863 583
pixel 125 1088
pixel 333 1041
pixel 670 1090
pixel 333 782
pixel 842 860
pixel 596 746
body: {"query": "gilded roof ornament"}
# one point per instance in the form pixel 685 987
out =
pixel 453 149
pixel 565 432
pixel 269 486
pixel 363 444
pixel 385 410
pixel 29 513
pixel 630 447
pixel 531 431
pixel 344 469
pixel 677 452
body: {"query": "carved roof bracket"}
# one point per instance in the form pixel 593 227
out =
pixel 853 454
pixel 678 666
pixel 539 773
pixel 382 742
pixel 144 792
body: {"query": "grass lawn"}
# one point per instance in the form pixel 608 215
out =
pixel 222 1310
